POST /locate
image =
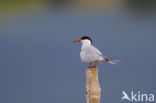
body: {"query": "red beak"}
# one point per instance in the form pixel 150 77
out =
pixel 77 41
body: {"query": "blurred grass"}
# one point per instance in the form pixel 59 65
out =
pixel 98 3
pixel 141 5
pixel 13 7
pixel 9 6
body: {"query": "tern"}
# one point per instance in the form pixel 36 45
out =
pixel 91 54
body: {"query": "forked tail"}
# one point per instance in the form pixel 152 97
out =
pixel 110 60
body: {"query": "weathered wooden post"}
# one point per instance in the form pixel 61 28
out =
pixel 93 90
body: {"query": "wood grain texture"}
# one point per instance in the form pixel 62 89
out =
pixel 93 90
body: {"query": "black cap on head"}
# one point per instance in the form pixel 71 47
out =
pixel 86 37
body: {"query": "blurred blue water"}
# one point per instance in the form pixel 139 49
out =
pixel 39 62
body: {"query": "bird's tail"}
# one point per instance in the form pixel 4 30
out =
pixel 110 60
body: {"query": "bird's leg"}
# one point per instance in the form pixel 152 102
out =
pixel 90 65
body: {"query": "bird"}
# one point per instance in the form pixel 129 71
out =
pixel 91 54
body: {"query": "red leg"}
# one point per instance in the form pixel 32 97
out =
pixel 90 65
pixel 94 66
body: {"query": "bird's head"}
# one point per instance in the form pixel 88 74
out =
pixel 84 40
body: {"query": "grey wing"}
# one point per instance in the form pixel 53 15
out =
pixel 97 51
pixel 104 58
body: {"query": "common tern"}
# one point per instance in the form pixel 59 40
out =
pixel 91 54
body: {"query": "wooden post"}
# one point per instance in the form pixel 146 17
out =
pixel 93 90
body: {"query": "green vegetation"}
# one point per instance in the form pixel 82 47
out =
pixel 17 6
